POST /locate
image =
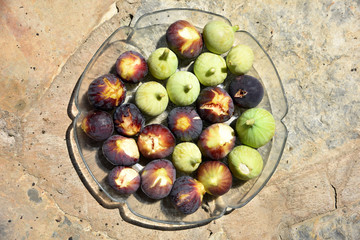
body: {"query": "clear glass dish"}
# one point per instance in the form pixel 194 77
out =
pixel 145 36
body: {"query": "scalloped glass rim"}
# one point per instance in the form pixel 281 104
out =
pixel 281 113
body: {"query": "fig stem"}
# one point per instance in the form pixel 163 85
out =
pixel 165 54
pixel 195 161
pixel 211 71
pixel 250 122
pixel 160 96
pixel 235 28
pixel 187 88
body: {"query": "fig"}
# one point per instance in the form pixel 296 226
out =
pixel 255 127
pixel 183 88
pixel 151 98
pixel 246 91
pixel 216 141
pixel 187 194
pixel 186 157
pixel 245 162
pixel 210 69
pixel 124 180
pixel 219 36
pixel 156 141
pixel 98 125
pixel 106 92
pixel 162 63
pixel 215 105
pixel 157 178
pixel 240 59
pixel 215 176
pixel 128 120
pixel 131 66
pixel 120 150
pixel 185 123
pixel 184 39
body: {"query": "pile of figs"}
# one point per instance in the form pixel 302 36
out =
pixel 194 152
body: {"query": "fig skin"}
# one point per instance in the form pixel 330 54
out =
pixel 210 69
pixel 183 88
pixel 215 105
pixel 255 127
pixel 131 66
pixel 151 98
pixel 106 92
pixel 219 36
pixel 98 125
pixel 187 194
pixel 186 157
pixel 246 91
pixel 245 162
pixel 120 150
pixel 157 178
pixel 184 39
pixel 185 123
pixel 215 176
pixel 156 141
pixel 124 180
pixel 216 141
pixel 240 59
pixel 128 120
pixel 162 63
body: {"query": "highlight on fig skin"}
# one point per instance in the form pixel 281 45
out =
pixel 128 120
pixel 216 141
pixel 184 39
pixel 124 180
pixel 157 178
pixel 156 141
pixel 215 176
pixel 98 125
pixel 185 123
pixel 120 150
pixel 106 92
pixel 215 105
pixel 131 67
pixel 187 194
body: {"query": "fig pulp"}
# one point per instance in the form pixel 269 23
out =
pixel 131 67
pixel 184 39
pixel 219 36
pixel 124 180
pixel 106 92
pixel 121 150
pixel 157 178
pixel 187 194
pixel 246 91
pixel 215 176
pixel 216 141
pixel 215 105
pixel 98 125
pixel 255 127
pixel 185 123
pixel 128 120
pixel 156 141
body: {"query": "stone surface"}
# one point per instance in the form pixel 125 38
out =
pixel 315 192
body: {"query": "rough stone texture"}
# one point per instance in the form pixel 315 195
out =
pixel 314 194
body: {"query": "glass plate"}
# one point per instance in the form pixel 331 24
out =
pixel 145 36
